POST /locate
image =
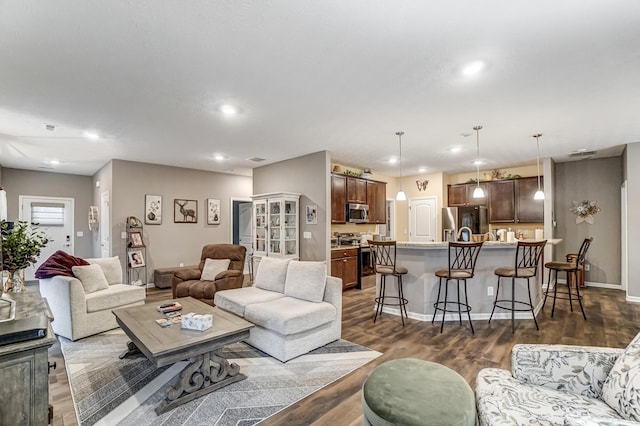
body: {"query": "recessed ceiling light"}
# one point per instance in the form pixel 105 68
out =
pixel 422 169
pixel 393 160
pixel 54 162
pixel 218 157
pixel 455 149
pixel 91 135
pixel 473 68
pixel 228 109
pixel 478 162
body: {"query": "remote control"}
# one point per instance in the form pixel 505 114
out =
pixel 166 305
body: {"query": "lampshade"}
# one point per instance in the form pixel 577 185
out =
pixel 401 196
pixel 478 192
pixel 539 195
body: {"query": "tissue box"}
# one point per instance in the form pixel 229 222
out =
pixel 193 321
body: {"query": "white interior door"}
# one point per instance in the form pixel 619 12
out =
pixel 105 225
pixel 423 219
pixel 54 217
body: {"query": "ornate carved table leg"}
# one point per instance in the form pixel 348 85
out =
pixel 205 373
pixel 132 350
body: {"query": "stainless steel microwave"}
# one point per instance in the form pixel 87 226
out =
pixel 357 213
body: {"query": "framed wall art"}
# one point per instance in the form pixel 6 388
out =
pixel 213 211
pixel 153 209
pixel 185 211
pixel 312 214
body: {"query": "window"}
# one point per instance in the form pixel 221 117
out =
pixel 47 214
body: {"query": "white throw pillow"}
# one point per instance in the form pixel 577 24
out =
pixel 110 267
pixel 91 277
pixel 271 274
pixel 213 267
pixel 306 280
pixel 620 390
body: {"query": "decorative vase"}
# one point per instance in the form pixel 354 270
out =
pixel 15 282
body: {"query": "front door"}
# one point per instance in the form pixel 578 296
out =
pixel 53 216
pixel 423 219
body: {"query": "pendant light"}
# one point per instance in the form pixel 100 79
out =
pixel 539 195
pixel 478 192
pixel 401 196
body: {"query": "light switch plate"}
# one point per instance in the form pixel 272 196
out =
pixel 79 234
pixel 306 234
pixel 123 235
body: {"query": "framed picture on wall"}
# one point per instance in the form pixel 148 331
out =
pixel 185 211
pixel 312 214
pixel 153 209
pixel 213 211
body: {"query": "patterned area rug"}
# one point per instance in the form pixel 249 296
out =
pixel 107 390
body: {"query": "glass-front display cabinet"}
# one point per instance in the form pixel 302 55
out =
pixel 276 225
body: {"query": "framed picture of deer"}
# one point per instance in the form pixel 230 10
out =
pixel 213 211
pixel 185 211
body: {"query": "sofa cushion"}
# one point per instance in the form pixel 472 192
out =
pixel 306 280
pixel 288 315
pixel 91 277
pixel 213 267
pixel 271 274
pixel 620 390
pixel 236 299
pixel 115 296
pixel 503 400
pixel 111 268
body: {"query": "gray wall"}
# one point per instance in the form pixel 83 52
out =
pixel 169 243
pixel 599 180
pixel 633 213
pixel 307 175
pixel 29 182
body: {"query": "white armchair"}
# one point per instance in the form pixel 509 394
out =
pixel 76 313
pixel 561 384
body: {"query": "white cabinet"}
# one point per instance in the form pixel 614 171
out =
pixel 276 225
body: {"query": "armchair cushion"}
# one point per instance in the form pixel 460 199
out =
pixel 212 267
pixel 306 280
pixel 111 267
pixel 188 274
pixel 621 390
pixel 91 277
pixel 271 274
pixel 289 315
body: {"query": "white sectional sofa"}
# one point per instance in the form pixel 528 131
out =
pixel 294 305
pixel 82 308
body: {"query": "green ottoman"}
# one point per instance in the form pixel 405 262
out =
pixel 414 392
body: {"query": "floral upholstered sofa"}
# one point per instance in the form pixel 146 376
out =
pixel 562 385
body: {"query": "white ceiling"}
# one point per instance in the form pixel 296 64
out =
pixel 340 75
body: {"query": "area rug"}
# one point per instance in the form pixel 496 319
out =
pixel 107 390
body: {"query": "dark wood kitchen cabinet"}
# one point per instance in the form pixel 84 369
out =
pixel 377 201
pixel 344 265
pixel 338 199
pixel 528 210
pixel 461 194
pixel 502 204
pixel 356 190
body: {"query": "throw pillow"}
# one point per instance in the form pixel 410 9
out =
pixel 306 280
pixel 213 267
pixel 271 274
pixel 91 277
pixel 111 268
pixel 620 390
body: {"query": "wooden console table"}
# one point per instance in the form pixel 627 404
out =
pixel 24 368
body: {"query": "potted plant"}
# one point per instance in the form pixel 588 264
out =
pixel 21 246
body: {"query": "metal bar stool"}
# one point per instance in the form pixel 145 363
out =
pixel 571 268
pixel 384 263
pixel 462 265
pixel 526 266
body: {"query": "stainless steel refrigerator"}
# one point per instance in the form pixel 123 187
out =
pixel 455 218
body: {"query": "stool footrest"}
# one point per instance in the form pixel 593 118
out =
pixel 564 295
pixel 528 309
pixel 437 307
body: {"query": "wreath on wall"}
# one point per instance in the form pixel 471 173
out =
pixel 585 210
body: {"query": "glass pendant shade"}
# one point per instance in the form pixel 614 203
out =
pixel 478 192
pixel 400 196
pixel 539 195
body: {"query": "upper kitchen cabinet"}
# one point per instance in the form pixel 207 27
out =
pixel 502 205
pixel 461 194
pixel 377 201
pixel 356 190
pixel 528 209
pixel 338 199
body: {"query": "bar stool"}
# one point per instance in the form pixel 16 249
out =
pixel 462 265
pixel 384 263
pixel 526 266
pixel 571 268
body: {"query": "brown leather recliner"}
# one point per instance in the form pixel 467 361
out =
pixel 187 282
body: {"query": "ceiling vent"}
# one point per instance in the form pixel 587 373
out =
pixel 582 154
pixel 256 159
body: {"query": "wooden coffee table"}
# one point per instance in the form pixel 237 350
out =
pixel 207 370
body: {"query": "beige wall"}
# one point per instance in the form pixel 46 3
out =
pixel 29 182
pixel 309 176
pixel 598 180
pixel 632 159
pixel 169 243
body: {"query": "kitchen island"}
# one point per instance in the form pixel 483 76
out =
pixel 421 285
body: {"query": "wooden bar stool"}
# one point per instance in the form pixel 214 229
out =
pixel 462 265
pixel 526 266
pixel 571 269
pixel 384 263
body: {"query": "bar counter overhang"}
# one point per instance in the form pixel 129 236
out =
pixel 421 285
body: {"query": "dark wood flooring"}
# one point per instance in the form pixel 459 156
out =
pixel 611 322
